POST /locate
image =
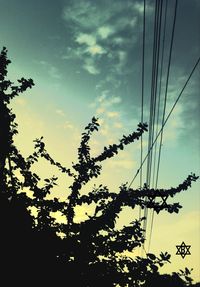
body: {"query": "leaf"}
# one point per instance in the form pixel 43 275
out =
pixel 187 271
pixel 154 268
pixel 151 256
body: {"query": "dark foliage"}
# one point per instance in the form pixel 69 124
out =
pixel 91 254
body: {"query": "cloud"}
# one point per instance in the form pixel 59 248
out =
pixel 183 120
pixel 60 112
pixel 42 62
pixel 51 69
pixel 118 125
pixel 21 101
pixel 112 126
pixel 90 42
pixel 106 35
pixel 112 114
pixel 100 111
pixel 105 100
pixel 125 164
pixel 104 130
pixel 85 14
pixel 122 161
pixel 68 125
pixel 87 50
pixel 103 96
pixel 90 66
pixel 54 73
pixel 95 50
pixel 139 7
pixel 116 100
pixel 105 106
pixel 174 126
pixel 105 31
pixel 86 39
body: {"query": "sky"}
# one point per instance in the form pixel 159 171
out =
pixel 85 58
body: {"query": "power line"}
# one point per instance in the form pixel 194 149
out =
pixel 155 87
pixel 153 101
pixel 166 89
pixel 155 80
pixel 142 100
pixel 157 103
pixel 165 102
pixel 167 118
pixel 158 114
pixel 155 64
pixel 150 117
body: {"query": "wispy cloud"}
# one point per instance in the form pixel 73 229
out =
pixel 60 112
pixel 85 14
pixel 68 125
pixel 112 114
pixel 112 126
pixel 107 34
pixel 124 161
pixel 21 102
pixel 51 69
pixel 90 66
pixel 105 31
pixel 89 42
pixel 86 39
pixel 54 73
pixel 139 7
pixel 174 127
pixel 103 40
pixel 182 121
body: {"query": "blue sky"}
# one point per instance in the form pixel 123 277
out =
pixel 85 59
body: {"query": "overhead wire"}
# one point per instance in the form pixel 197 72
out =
pixel 154 105
pixel 166 88
pixel 152 90
pixel 142 99
pixel 155 86
pixel 157 90
pixel 155 63
pixel 165 103
pixel 155 80
pixel 158 114
pixel 150 118
pixel 166 119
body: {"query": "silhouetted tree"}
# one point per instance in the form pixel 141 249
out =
pixel 92 252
